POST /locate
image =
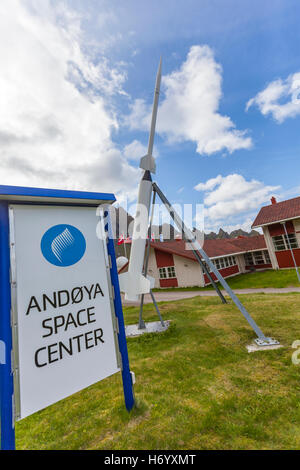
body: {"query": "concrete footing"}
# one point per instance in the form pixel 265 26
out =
pixel 151 327
pixel 253 347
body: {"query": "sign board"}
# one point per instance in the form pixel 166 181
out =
pixel 65 339
pixel 60 305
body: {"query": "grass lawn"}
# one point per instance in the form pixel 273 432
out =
pixel 197 387
pixel 256 280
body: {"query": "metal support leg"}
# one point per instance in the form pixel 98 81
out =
pixel 262 339
pixel 142 325
pixel 224 301
pixel 157 309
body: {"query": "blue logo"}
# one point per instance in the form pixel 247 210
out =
pixel 63 245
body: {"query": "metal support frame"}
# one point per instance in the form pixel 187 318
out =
pixel 262 340
pixel 224 301
pixel 142 324
pixel 6 368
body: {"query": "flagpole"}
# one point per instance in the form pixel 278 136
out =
pixel 125 251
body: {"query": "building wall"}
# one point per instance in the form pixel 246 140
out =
pixel 270 247
pixel 163 259
pixel 160 259
pixel 225 272
pixel 152 267
pixel 297 229
pixel 283 259
pixel 258 267
pixel 278 229
pixel 188 272
pixel 241 263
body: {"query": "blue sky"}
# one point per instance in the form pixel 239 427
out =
pixel 78 90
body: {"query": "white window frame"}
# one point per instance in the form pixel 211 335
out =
pixel 249 261
pixel 162 273
pixel 223 263
pixel 281 240
pixel 251 254
pixel 167 272
pixel 267 257
pixel 259 258
pixel 171 272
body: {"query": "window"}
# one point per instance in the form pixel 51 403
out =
pixel 267 257
pixel 249 259
pixel 292 239
pixel 217 263
pixel 171 272
pixel 257 258
pixel 162 273
pixel 207 267
pixel 281 242
pixel 226 262
pixel 167 273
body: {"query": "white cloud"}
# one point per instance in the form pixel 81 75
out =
pixel 55 121
pixel 189 110
pixel 209 184
pixel 232 201
pixel 280 99
pixel 136 150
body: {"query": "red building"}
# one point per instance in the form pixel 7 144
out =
pixel 172 265
pixel 280 222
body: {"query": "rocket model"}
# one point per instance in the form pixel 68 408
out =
pixel 148 162
pixel 133 283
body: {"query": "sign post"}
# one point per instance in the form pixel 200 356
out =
pixel 61 319
pixel 6 375
pixel 126 374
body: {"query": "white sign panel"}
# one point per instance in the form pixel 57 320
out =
pixel 64 337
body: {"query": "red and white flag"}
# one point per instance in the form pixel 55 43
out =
pixel 121 240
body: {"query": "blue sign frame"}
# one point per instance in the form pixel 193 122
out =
pixel 13 194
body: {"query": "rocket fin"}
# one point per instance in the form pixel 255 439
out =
pixel 134 285
pixel 152 281
pixel 148 163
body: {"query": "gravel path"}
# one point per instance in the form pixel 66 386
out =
pixel 178 295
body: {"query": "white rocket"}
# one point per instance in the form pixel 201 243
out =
pixel 133 283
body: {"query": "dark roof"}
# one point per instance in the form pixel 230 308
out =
pixel 214 248
pixel 278 212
